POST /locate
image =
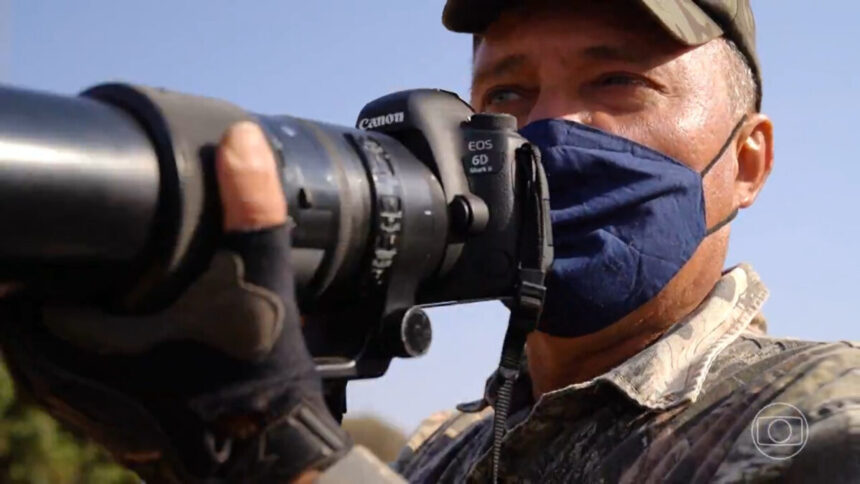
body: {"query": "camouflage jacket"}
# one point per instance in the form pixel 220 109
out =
pixel 714 400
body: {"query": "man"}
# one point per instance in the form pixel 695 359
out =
pixel 671 389
pixel 650 362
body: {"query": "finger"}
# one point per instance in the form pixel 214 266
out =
pixel 248 180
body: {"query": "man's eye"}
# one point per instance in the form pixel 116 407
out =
pixel 499 96
pixel 621 80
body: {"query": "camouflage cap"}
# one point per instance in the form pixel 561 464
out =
pixel 691 22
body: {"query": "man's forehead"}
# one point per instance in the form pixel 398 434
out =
pixel 591 30
pixel 500 62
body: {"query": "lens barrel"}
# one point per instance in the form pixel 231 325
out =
pixel 117 185
pixel 79 188
pixel 354 197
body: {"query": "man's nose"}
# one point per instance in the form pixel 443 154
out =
pixel 558 105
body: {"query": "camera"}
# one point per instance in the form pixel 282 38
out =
pixel 109 198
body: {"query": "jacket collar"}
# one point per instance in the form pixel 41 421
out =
pixel 672 370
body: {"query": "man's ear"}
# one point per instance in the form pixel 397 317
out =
pixel 755 159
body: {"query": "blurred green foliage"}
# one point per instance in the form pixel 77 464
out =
pixel 36 449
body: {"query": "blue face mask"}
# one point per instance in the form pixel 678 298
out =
pixel 625 219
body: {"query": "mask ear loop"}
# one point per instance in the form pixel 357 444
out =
pixel 725 146
pixel 713 162
pixel 722 223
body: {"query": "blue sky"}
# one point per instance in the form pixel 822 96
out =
pixel 324 59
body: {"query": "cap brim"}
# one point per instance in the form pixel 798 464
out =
pixel 683 19
pixel 471 16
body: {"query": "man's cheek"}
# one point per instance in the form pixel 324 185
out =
pixel 644 129
pixel 719 192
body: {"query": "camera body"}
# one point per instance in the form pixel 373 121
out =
pixel 467 253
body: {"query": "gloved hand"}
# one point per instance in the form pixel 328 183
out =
pixel 218 386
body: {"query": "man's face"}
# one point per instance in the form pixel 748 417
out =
pixel 610 65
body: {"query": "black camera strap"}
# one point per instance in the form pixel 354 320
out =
pixel 535 256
